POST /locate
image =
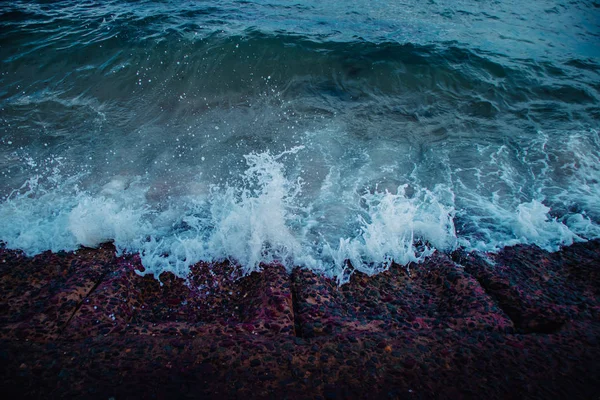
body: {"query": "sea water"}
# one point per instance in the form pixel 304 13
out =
pixel 330 135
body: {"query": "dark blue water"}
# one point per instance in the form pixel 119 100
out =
pixel 315 133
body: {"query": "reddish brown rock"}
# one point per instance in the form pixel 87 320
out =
pixel 110 307
pixel 41 294
pixel 216 299
pixel 424 364
pixel 436 294
pixel 541 291
pixel 86 325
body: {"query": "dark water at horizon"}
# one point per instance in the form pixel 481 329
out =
pixel 303 132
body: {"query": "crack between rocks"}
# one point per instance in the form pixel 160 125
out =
pixel 295 308
pixel 547 327
pixel 495 299
pixel 64 327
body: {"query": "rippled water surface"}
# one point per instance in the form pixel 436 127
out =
pixel 327 134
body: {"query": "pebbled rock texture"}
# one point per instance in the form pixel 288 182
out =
pixel 541 291
pixel 522 323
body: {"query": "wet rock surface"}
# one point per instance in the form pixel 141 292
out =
pixel 541 291
pixel 436 294
pixel 522 323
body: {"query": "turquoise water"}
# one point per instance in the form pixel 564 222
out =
pixel 322 134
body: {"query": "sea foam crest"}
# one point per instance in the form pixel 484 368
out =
pixel 527 223
pixel 247 224
pixel 396 228
pixel 253 227
pixel 533 224
pixel 37 218
pixel 264 217
pixel 34 220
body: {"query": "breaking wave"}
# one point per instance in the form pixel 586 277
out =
pixel 264 133
pixel 266 218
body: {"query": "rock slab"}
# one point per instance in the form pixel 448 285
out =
pixel 522 323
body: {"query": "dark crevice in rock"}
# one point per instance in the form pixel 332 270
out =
pixel 295 307
pixel 505 297
pixel 460 258
pixel 76 310
pixel 439 329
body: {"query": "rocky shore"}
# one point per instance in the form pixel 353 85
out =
pixel 523 323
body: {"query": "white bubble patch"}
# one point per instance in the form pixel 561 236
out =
pixel 264 215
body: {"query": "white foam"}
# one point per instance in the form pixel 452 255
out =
pixel 253 226
pixel 37 218
pixel 97 220
pixel 248 225
pixel 34 220
pixel 533 225
pixel 263 216
pixel 396 228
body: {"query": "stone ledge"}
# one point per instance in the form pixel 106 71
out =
pixel 86 325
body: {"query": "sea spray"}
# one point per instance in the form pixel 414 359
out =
pixel 248 224
pixel 265 217
pixel 35 219
pixel 396 228
pixel 254 226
